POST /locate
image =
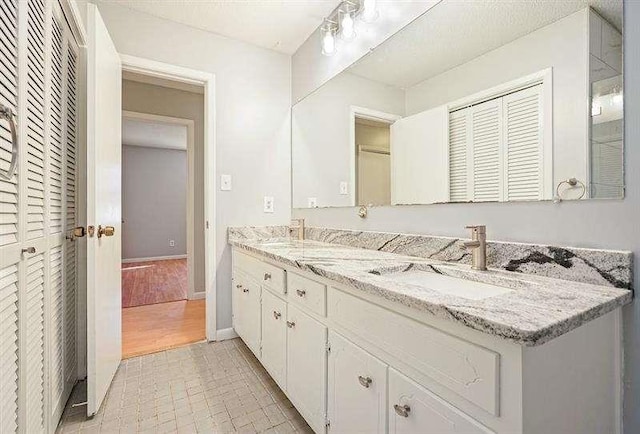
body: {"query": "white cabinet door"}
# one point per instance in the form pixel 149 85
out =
pixel 307 366
pixel 246 311
pixel 274 337
pixel 357 391
pixel 413 409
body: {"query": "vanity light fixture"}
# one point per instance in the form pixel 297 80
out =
pixel 369 11
pixel 347 24
pixel 341 22
pixel 329 29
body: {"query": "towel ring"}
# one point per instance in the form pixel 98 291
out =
pixel 7 114
pixel 572 182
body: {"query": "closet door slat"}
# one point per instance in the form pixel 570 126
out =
pixel 9 348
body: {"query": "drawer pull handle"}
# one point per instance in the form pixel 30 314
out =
pixel 291 324
pixel 276 314
pixel 245 290
pixel 402 410
pixel 301 292
pixel 267 276
pixel 365 381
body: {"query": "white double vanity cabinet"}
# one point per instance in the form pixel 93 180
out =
pixel 352 362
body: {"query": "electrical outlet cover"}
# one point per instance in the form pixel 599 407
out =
pixel 312 202
pixel 225 182
pixel 268 204
pixel 344 187
pixel 172 243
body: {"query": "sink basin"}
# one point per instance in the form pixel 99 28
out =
pixel 456 286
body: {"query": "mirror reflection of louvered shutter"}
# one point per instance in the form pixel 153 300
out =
pixel 486 124
pixel 9 238
pixel 458 142
pixel 523 144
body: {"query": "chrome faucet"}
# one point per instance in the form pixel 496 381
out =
pixel 297 225
pixel 478 247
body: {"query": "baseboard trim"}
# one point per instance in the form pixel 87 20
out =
pixel 153 258
pixel 226 334
pixel 197 296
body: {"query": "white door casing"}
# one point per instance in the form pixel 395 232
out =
pixel 104 106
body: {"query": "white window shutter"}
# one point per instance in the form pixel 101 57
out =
pixel 523 140
pixel 486 122
pixel 458 143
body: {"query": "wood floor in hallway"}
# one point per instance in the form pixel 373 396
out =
pixel 158 327
pixel 154 282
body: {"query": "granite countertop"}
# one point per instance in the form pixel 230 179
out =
pixel 534 311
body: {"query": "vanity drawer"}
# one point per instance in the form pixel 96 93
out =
pixel 307 293
pixel 414 409
pixel 467 369
pixel 265 274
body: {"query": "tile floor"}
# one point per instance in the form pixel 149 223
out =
pixel 205 388
pixel 154 282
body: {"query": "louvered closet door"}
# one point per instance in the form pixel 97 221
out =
pixel 486 151
pixel 458 155
pixel 60 187
pixel 9 226
pixel 523 157
pixel 37 207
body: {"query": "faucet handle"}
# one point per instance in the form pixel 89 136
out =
pixel 481 229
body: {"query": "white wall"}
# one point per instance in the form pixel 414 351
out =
pixel 321 126
pixel 253 97
pixel 311 69
pixel 609 224
pixel 563 46
pixel 154 202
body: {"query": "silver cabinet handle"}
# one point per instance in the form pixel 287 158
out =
pixel 291 324
pixel 30 250
pixel 267 276
pixel 365 381
pixel 301 292
pixel 276 314
pixel 402 410
pixel 7 114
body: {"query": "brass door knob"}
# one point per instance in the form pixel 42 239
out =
pixel 107 231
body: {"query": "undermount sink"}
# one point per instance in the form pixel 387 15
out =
pixel 455 286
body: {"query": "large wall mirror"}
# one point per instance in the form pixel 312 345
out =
pixel 483 101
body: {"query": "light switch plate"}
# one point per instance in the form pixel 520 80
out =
pixel 344 187
pixel 312 202
pixel 225 182
pixel 172 243
pixel 268 204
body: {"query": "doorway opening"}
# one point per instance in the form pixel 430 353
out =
pixel 163 249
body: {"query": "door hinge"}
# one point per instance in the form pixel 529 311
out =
pixel 328 347
pixel 207 224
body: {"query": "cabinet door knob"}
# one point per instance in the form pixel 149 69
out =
pixel 267 276
pixel 402 410
pixel 365 381
pixel 291 324
pixel 30 250
pixel 245 289
pixel 238 286
pixel 276 314
pixel 301 292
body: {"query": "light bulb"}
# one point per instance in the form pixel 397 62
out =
pixel 328 43
pixel 347 30
pixel 369 11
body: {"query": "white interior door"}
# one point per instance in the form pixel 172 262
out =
pixel 104 106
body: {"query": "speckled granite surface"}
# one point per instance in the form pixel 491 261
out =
pixel 536 310
pixel 599 267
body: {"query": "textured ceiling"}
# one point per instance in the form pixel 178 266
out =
pixel 153 134
pixel 281 25
pixel 456 31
